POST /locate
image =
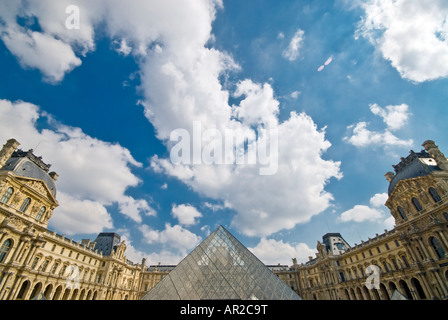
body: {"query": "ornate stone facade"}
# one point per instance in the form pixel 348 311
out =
pixel 411 259
pixel 38 263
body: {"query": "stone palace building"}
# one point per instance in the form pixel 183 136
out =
pixel 408 262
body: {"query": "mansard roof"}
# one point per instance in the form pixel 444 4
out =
pixel 26 164
pixel 413 166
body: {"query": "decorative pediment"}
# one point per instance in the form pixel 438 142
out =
pixel 14 222
pixel 38 186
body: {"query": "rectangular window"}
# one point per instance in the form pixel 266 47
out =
pixel 394 262
pixel 55 266
pixel 378 248
pixel 36 260
pixel 387 246
pixel 405 261
pixel 43 268
pixel 397 243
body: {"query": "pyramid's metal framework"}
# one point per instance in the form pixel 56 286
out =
pixel 221 268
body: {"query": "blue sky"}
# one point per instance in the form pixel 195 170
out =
pixel 351 86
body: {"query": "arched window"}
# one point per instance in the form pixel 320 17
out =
pixel 41 213
pixel 4 249
pixel 417 204
pixel 7 195
pixel 401 212
pixel 434 194
pixel 437 247
pixel 25 205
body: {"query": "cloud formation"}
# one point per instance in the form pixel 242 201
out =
pixel 395 118
pixel 293 50
pixel 93 174
pixel 271 251
pixel 186 214
pixel 411 34
pixel 180 84
pixel 375 212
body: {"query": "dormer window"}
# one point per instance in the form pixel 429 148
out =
pixel 417 204
pixel 401 212
pixel 25 205
pixel 7 195
pixel 435 195
pixel 41 213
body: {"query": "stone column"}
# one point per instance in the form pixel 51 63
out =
pixel 441 282
pixel 16 252
pixel 8 149
pixel 17 282
pixel 429 255
pixel 444 241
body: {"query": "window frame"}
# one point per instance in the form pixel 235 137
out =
pixel 5 249
pixel 25 205
pixel 7 195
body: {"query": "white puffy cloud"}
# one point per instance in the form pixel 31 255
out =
pixel 376 212
pixel 76 215
pixel 217 206
pixel 174 238
pixel 259 106
pixel 395 118
pixel 51 48
pixel 180 84
pixel 93 174
pixel 295 94
pixel 271 251
pixel 360 213
pixel 293 50
pixel 135 208
pixel 389 223
pixel 379 200
pixel 36 50
pixel 363 137
pixel 411 34
pixel 267 204
pixel 186 214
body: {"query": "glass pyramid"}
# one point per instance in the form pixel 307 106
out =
pixel 221 268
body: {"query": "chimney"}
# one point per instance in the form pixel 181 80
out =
pixel 54 175
pixel 389 176
pixel 8 148
pixel 434 152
